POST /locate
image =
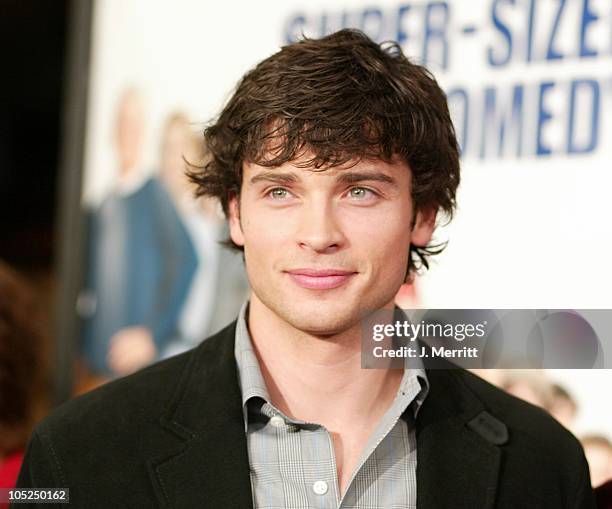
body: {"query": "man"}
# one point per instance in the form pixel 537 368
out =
pixel 141 262
pixel 331 160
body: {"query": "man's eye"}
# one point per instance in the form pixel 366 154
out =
pixel 360 192
pixel 278 193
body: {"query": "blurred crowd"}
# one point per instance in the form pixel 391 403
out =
pixel 536 387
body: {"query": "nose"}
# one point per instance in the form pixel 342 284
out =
pixel 319 230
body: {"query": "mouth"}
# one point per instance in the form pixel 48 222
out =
pixel 320 279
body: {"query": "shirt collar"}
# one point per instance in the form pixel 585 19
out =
pixel 413 387
pixel 252 383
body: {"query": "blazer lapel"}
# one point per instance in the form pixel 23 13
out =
pixel 210 469
pixel 456 465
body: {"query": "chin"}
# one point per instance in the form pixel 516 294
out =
pixel 322 324
pixel 323 317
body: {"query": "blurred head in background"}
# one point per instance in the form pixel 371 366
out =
pixel 130 131
pixel 179 146
pixel 530 385
pixel 562 406
pixel 22 354
pixel 598 451
pixel 181 152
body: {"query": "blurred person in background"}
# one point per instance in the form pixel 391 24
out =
pixel 213 301
pixel 140 262
pixel 598 451
pixel 535 387
pixel 22 371
pixel 531 385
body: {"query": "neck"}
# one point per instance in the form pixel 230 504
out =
pixel 318 379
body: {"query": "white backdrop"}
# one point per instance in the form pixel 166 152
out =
pixel 533 227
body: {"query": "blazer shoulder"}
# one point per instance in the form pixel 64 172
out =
pixel 108 439
pixel 138 400
pixel 124 402
pixel 534 425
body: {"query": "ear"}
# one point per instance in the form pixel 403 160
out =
pixel 424 226
pixel 234 221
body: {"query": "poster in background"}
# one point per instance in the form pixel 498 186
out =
pixel 529 84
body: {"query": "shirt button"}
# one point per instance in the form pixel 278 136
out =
pixel 277 421
pixel 320 487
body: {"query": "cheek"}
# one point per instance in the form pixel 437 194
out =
pixel 274 229
pixel 383 234
pixel 266 233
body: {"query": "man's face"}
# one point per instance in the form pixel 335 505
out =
pixel 321 247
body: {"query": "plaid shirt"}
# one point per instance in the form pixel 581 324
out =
pixel 292 462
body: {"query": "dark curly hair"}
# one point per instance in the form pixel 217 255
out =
pixel 338 99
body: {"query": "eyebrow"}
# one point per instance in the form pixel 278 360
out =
pixel 274 176
pixel 345 177
pixel 351 177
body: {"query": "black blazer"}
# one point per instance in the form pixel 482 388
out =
pixel 172 436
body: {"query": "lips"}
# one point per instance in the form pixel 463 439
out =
pixel 320 279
